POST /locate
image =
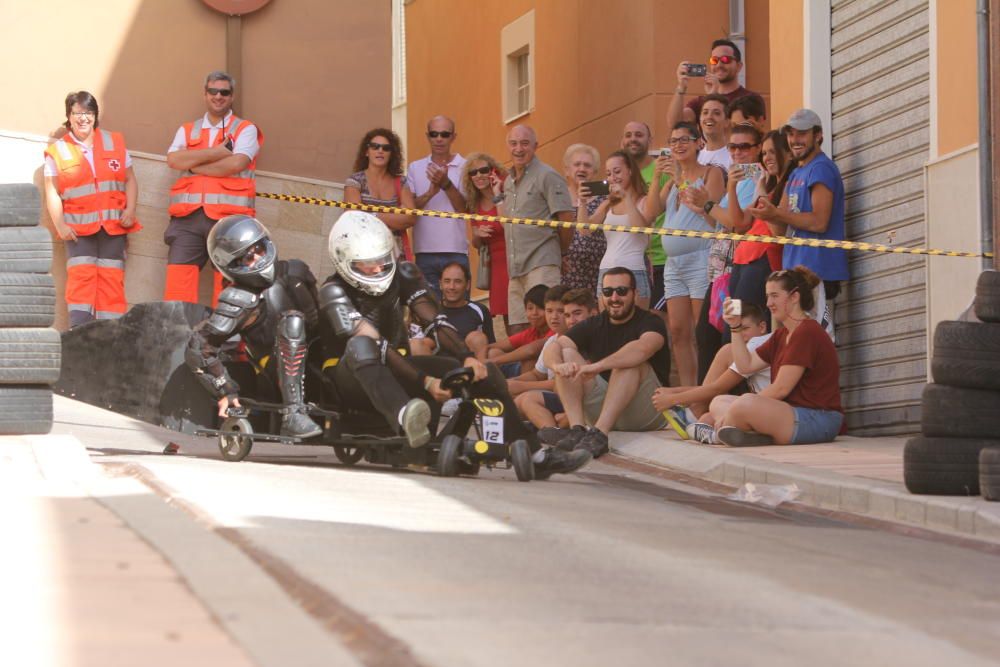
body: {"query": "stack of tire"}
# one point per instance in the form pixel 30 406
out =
pixel 958 452
pixel 30 349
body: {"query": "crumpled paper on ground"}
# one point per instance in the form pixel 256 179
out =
pixel 768 495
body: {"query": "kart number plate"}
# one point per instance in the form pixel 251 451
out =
pixel 493 429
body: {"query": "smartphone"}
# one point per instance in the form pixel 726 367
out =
pixel 752 170
pixel 597 188
pixel 666 152
pixel 696 69
pixel 736 307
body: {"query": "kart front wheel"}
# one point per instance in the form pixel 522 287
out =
pixel 237 440
pixel 447 462
pixel 520 458
pixel 348 455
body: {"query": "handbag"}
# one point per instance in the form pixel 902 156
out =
pixel 483 269
pixel 720 290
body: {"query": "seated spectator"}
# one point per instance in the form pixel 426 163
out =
pixel 627 204
pixel 748 110
pixel 518 353
pixel 582 258
pixel 378 179
pixel 722 376
pixel 685 275
pixel 723 78
pixel 472 320
pixel 628 359
pixel 538 376
pixel 482 178
pixel 802 404
pixel 541 406
pixel 714 126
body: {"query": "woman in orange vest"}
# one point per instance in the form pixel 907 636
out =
pixel 91 194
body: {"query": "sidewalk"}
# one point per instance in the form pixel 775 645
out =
pixel 862 476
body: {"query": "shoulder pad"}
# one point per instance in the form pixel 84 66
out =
pixel 409 270
pixel 333 291
pixel 239 297
pixel 299 269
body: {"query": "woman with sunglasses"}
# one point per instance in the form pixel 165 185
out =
pixel 802 405
pixel 378 179
pixel 91 195
pixel 482 185
pixel 628 205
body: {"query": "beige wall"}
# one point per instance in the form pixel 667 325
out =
pixel 598 64
pixel 957 101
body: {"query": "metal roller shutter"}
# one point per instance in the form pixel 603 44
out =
pixel 881 112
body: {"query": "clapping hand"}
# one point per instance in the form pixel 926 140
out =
pixel 695 198
pixel 764 209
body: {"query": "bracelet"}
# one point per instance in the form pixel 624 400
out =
pixel 428 381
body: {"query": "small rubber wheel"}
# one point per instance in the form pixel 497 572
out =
pixel 447 462
pixel 989 473
pixel 520 458
pixel 348 455
pixel 988 296
pixel 236 443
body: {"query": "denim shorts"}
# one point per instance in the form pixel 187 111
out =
pixel 812 426
pixel 686 275
pixel 643 288
pixel 552 402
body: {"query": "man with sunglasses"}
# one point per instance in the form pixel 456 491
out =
pixel 722 78
pixel 217 157
pixel 607 368
pixel 435 181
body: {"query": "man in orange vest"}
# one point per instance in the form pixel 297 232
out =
pixel 217 158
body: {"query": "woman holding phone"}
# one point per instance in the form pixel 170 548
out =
pixel 482 186
pixel 627 204
pixel 802 405
pixel 582 258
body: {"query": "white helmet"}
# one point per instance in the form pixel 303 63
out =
pixel 363 251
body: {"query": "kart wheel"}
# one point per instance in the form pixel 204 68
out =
pixel 236 446
pixel 520 458
pixel 451 449
pixel 348 455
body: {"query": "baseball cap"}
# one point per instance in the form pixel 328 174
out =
pixel 803 119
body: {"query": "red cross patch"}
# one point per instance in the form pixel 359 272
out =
pixel 114 165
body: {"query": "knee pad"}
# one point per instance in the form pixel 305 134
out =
pixel 362 351
pixel 292 326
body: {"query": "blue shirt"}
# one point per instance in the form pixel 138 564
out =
pixel 827 263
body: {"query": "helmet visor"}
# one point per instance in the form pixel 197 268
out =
pixel 252 258
pixel 373 269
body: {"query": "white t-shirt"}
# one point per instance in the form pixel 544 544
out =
pixel 719 156
pixel 437 234
pixel 246 144
pixel 51 170
pixel 760 380
pixel 624 248
pixel 540 364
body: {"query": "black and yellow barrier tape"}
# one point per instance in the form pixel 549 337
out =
pixel 649 231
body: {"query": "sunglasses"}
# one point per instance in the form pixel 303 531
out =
pixel 225 92
pixel 725 60
pixel 434 134
pixel 742 147
pixel 375 146
pixel 481 171
pixel 620 291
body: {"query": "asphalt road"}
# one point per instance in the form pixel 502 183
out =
pixel 610 566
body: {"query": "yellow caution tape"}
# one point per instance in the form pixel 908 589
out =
pixel 649 231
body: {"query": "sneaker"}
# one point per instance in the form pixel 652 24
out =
pixel 703 433
pixel 737 437
pixel 298 425
pixel 416 417
pixel 682 416
pixel 450 407
pixel 572 436
pixel 558 461
pixel 595 442
pixel 550 435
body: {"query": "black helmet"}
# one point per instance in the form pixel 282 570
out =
pixel 241 249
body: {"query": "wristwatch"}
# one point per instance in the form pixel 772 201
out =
pixel 499 198
pixel 709 205
pixel 447 184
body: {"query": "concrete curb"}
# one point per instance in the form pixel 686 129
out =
pixel 878 499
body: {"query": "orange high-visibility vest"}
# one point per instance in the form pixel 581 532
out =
pixel 219 196
pixel 92 200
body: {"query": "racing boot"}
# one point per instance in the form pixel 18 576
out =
pixel 414 419
pixel 290 352
pixel 560 461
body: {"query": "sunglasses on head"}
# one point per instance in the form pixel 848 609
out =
pixel 741 147
pixel 225 92
pixel 376 146
pixel 725 60
pixel 444 134
pixel 481 171
pixel 621 290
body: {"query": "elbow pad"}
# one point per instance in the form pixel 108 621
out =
pixel 335 305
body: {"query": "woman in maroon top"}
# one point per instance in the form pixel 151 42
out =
pixel 802 405
pixel 482 179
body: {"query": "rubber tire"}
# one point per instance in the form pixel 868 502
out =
pixel 244 442
pixel 27 300
pixel 943 466
pixel 989 473
pixel 30 356
pixel 967 354
pixel 959 412
pixel 25 250
pixel 25 410
pixel 520 459
pixel 348 455
pixel 447 461
pixel 988 296
pixel 20 205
